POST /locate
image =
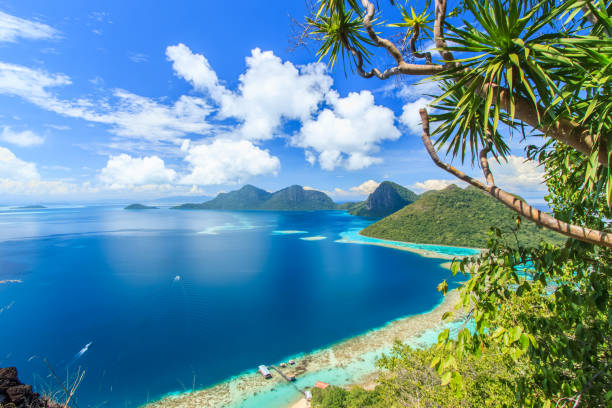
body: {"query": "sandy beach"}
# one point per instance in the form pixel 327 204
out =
pixel 350 361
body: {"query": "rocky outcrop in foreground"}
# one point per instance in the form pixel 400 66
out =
pixel 14 394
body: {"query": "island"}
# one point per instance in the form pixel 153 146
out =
pixel 293 198
pixel 31 207
pixel 140 207
pixel 456 217
pixel 388 198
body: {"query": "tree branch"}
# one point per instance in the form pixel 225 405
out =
pixel 484 161
pixel 413 50
pixel 573 231
pixel 439 31
pixel 566 131
pixel 402 67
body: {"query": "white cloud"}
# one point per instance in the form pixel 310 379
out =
pixel 228 161
pixel 124 171
pixel 270 91
pixel 24 138
pixel 349 133
pixel 436 184
pixel 518 175
pixel 13 168
pixel 21 177
pixel 195 69
pixel 411 117
pixel 131 115
pixel 12 28
pixel 365 188
pixel 361 191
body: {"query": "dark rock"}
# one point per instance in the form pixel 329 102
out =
pixel 8 378
pixel 14 394
pixel 20 394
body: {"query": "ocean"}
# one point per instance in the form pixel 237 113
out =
pixel 159 301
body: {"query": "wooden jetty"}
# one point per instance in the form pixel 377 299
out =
pixel 285 376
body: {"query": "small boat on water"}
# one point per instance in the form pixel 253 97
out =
pixel 263 370
pixel 292 362
pixel 283 365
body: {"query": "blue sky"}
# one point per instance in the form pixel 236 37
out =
pixel 137 100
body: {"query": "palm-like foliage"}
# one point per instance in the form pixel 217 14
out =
pixel 501 51
pixel 414 22
pixel 461 116
pixel 334 6
pixel 340 31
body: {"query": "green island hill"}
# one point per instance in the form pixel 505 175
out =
pixel 388 198
pixel 139 207
pixel 457 217
pixel 293 198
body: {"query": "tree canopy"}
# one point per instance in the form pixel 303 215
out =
pixel 539 69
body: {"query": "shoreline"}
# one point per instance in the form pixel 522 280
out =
pixel 425 250
pixel 349 361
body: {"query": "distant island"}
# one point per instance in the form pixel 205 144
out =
pixel 294 198
pixel 140 207
pixel 31 207
pixel 456 217
pixel 388 198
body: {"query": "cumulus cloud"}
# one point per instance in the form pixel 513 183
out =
pixel 348 133
pixel 24 138
pixel 127 114
pixel 365 188
pixel 12 28
pixel 195 69
pixel 518 174
pixel 410 115
pixel 227 161
pixel 269 92
pixel 436 184
pixel 124 171
pixel 20 177
pixel 13 168
pixel 361 191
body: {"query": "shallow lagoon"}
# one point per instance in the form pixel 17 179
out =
pixel 247 295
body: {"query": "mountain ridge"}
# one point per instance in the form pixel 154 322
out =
pixel 456 217
pixel 388 198
pixel 249 197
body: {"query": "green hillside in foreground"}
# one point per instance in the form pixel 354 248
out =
pixel 455 216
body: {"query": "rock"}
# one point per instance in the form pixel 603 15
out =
pixel 14 394
pixel 20 394
pixel 8 378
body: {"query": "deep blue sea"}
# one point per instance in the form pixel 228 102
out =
pixel 150 302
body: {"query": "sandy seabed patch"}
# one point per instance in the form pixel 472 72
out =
pixel 352 359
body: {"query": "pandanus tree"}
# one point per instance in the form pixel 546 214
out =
pixel 528 67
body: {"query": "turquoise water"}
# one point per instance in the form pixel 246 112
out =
pixel 352 235
pixel 153 302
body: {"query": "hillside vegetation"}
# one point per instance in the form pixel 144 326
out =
pixel 294 198
pixel 385 200
pixel 455 216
